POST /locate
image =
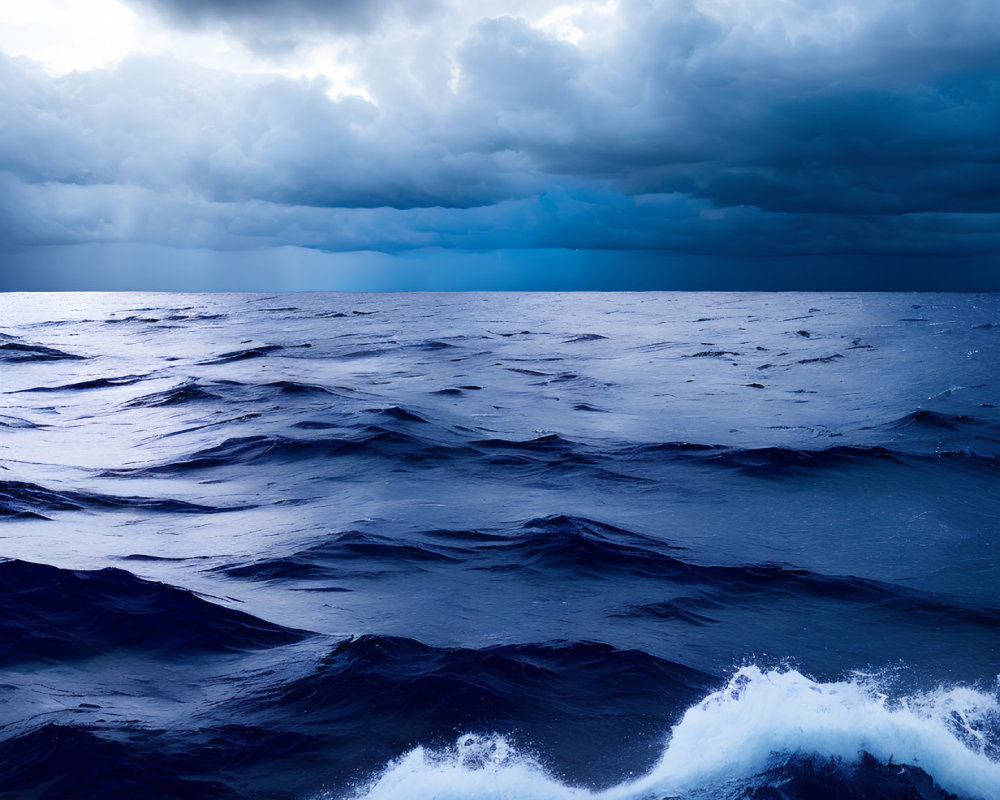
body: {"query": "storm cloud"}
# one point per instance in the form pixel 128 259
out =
pixel 716 128
pixel 269 26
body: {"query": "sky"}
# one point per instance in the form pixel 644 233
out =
pixel 500 144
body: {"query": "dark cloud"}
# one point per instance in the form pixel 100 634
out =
pixel 818 128
pixel 894 118
pixel 159 124
pixel 273 26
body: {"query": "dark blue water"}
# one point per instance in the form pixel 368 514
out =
pixel 500 546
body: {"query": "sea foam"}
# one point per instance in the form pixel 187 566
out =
pixel 734 734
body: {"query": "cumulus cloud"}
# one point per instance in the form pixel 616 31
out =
pixel 163 125
pixel 844 110
pixel 694 126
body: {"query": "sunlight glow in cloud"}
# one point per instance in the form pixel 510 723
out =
pixel 67 35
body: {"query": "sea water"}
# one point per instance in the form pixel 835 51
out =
pixel 616 546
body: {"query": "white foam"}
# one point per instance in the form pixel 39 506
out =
pixel 485 768
pixel 734 734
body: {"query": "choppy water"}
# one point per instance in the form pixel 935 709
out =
pixel 500 546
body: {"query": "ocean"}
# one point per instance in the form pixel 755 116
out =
pixel 480 546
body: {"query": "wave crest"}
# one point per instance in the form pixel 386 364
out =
pixel 758 723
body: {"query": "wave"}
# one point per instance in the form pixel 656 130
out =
pixel 337 555
pixel 712 354
pixel 933 419
pixel 23 499
pixel 238 450
pixel 581 547
pixel 21 352
pixel 821 359
pixel 53 614
pixel 315 425
pixel 544 443
pixel 554 543
pixel 373 440
pixel 243 355
pixel 193 391
pixel 195 317
pixel 295 387
pixel 490 768
pixel 550 449
pixel 578 544
pixel 804 778
pixel 735 741
pixel 545 451
pixel 58 761
pixel 785 460
pixel 383 693
pixel 576 548
pixel 932 434
pixel 396 412
pixel 94 383
pixel 18 423
pixel 188 392
pixel 681 609
pixel 584 337
pixel 132 318
pixel 779 462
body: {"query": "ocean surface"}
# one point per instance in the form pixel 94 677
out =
pixel 483 546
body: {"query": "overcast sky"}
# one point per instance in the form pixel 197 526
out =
pixel 500 144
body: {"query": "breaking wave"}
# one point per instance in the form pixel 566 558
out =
pixel 760 723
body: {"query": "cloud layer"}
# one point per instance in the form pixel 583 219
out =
pixel 276 27
pixel 712 127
